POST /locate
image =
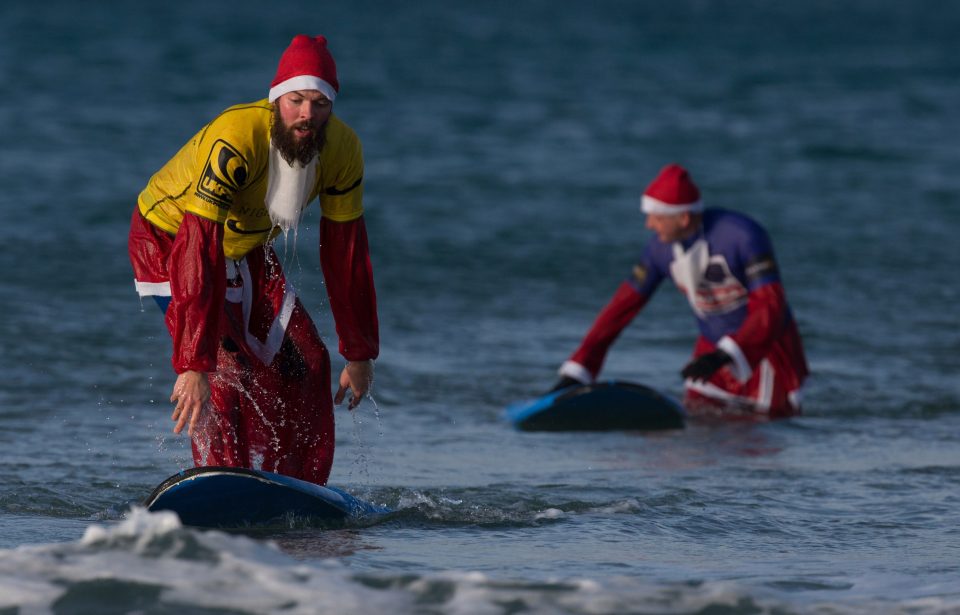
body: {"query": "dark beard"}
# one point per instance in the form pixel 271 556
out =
pixel 290 147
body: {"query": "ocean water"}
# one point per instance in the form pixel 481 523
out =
pixel 506 146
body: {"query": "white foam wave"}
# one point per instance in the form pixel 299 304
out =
pixel 549 513
pixel 138 524
pixel 182 567
pixel 149 558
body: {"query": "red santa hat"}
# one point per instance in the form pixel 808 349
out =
pixel 306 65
pixel 672 192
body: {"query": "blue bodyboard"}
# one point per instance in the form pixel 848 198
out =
pixel 603 406
pixel 225 497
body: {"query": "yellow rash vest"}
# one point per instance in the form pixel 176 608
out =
pixel 222 174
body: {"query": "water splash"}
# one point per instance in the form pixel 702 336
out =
pixel 289 247
pixel 376 414
pixel 360 460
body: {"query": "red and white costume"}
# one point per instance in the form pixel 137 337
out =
pixel 729 275
pixel 200 242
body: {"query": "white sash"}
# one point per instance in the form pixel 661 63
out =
pixel 268 349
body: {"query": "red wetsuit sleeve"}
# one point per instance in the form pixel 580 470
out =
pixel 612 319
pixel 345 260
pixel 198 286
pixel 765 322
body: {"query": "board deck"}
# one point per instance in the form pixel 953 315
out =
pixel 603 406
pixel 225 497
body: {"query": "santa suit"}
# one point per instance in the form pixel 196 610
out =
pixel 728 273
pixel 200 243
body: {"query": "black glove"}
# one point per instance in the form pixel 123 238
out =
pixel 705 365
pixel 563 383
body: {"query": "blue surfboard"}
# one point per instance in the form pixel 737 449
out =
pixel 222 497
pixel 603 406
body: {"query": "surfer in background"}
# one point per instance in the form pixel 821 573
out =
pixel 749 356
pixel 253 376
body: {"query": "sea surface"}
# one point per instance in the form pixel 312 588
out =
pixel 506 144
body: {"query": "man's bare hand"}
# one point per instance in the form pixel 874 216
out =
pixel 357 376
pixel 191 392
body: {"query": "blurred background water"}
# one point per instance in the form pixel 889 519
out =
pixel 506 147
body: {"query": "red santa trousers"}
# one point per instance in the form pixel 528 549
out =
pixel 772 391
pixel 271 407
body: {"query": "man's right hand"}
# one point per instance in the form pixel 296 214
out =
pixel 191 392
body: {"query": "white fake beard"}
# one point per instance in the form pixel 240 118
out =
pixel 288 189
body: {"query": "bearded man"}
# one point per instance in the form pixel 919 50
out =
pixel 253 376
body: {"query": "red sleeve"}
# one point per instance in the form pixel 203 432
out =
pixel 345 260
pixel 766 318
pixel 197 286
pixel 613 318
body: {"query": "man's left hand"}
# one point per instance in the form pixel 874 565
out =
pixel 705 365
pixel 357 376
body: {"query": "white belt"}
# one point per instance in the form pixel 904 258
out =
pixel 761 404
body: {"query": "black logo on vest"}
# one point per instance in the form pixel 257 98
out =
pixel 234 226
pixel 223 175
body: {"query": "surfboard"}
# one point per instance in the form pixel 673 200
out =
pixel 222 497
pixel 603 406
